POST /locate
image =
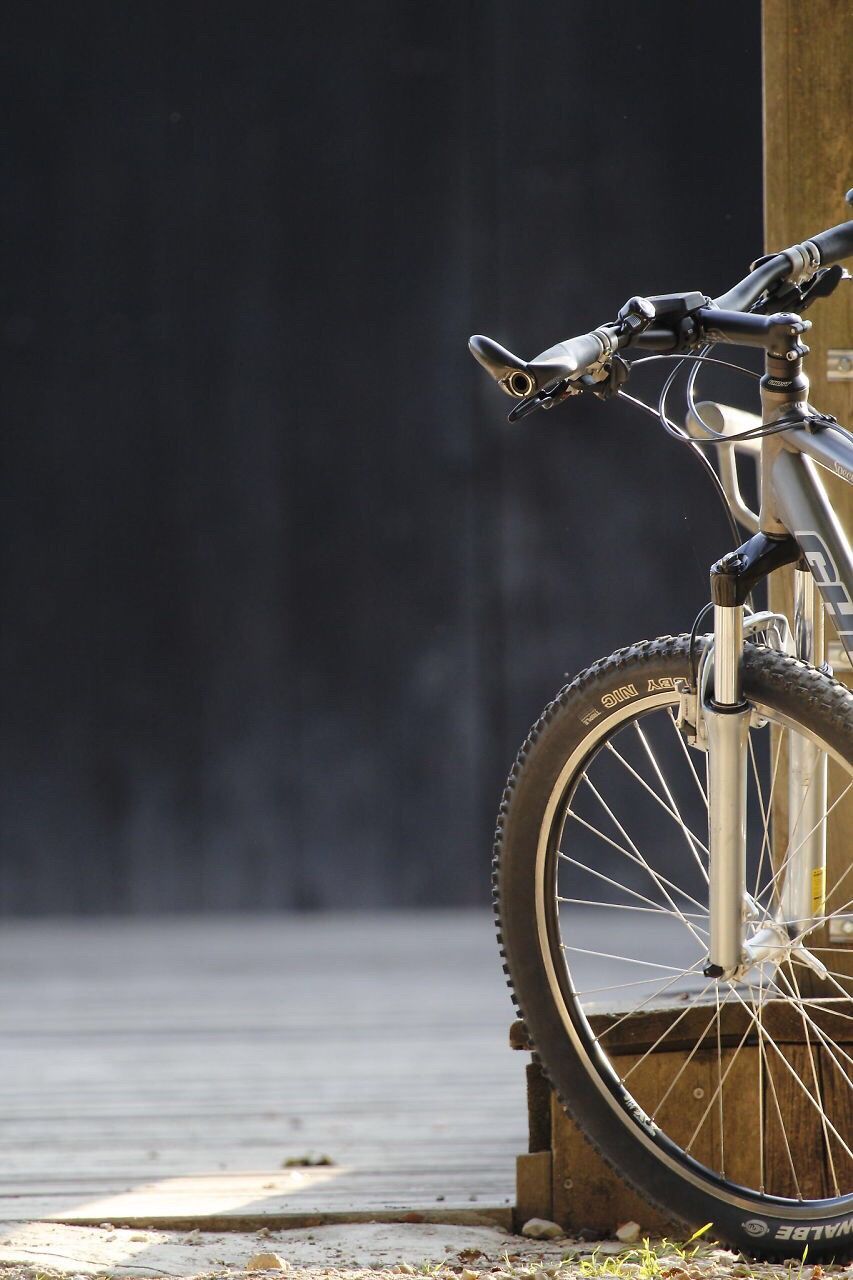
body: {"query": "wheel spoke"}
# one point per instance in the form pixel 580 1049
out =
pixel 765 811
pixel 838 884
pixel 684 747
pixel 661 1037
pixel 627 906
pixel 660 880
pixel 808 1025
pixel 762 1177
pixel 722 1078
pixel 720 1083
pixel 621 986
pixel 686 1063
pixel 826 1007
pixel 606 955
pixel 831 1046
pixel 670 809
pixel 833 974
pixel 766 1072
pixel 792 852
pixel 693 840
pixel 623 888
pixel 816 1104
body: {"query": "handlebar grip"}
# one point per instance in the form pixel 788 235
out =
pixel 566 359
pixel 834 245
pixel 520 378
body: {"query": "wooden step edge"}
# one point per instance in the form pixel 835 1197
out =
pixel 482 1216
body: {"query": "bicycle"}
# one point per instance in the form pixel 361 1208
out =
pixel 721 932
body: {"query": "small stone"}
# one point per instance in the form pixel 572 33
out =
pixel 405 1269
pixel 262 1232
pixel 628 1233
pixel 192 1237
pixel 107 1226
pixel 587 1234
pixel 267 1262
pixel 468 1274
pixel 542 1229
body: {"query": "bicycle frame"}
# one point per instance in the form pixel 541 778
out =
pixel 799 526
pixel 800 501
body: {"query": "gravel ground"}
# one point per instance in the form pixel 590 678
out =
pixel 378 1251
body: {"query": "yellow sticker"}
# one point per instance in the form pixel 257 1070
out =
pixel 818 891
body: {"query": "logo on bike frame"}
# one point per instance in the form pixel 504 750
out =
pixel 828 579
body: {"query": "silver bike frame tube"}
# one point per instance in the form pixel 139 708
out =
pixel 806 511
pixel 830 448
pixel 804 507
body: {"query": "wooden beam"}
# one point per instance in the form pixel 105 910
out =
pixel 808 165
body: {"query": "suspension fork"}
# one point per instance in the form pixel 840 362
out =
pixel 727 716
pixel 803 897
pixel 727 721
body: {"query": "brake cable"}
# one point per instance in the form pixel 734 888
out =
pixel 677 433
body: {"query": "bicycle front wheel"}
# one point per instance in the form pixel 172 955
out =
pixel 601 879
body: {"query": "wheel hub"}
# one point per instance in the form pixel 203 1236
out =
pixel 772 944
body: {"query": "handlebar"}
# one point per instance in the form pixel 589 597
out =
pixel 822 250
pixel 764 275
pixel 675 322
pixel 836 244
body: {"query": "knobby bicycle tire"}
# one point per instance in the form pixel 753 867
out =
pixel 611 694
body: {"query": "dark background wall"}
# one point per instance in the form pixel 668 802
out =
pixel 281 590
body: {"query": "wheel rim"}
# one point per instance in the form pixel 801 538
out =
pixel 639 933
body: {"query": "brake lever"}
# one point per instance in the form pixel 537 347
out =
pixel 825 282
pixel 798 297
pixel 616 374
pixel 545 399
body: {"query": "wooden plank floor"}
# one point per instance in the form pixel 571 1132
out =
pixel 160 1070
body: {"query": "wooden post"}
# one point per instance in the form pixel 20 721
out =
pixel 808 165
